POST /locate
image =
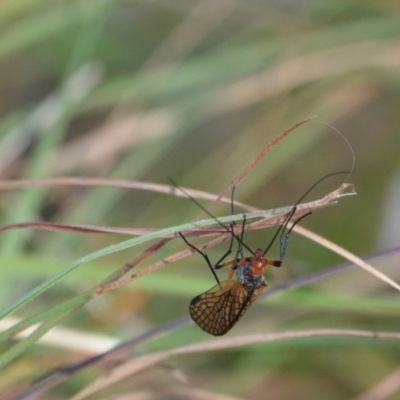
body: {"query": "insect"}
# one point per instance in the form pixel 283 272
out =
pixel 218 309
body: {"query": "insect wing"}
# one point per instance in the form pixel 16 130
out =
pixel 218 309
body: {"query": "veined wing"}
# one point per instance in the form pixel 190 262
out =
pixel 218 309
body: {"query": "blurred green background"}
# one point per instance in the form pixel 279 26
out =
pixel 193 90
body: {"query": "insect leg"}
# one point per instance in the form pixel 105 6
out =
pixel 239 253
pixel 284 239
pixel 204 255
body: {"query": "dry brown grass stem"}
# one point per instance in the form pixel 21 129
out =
pixel 138 364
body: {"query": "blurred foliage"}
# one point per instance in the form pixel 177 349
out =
pixel 193 90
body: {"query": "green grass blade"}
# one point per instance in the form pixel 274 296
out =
pixel 126 245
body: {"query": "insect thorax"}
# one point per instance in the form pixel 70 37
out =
pixel 249 281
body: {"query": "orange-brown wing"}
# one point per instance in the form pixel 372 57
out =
pixel 218 309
